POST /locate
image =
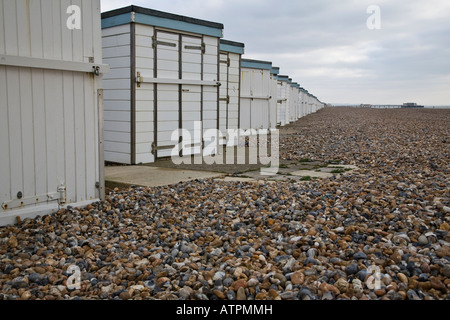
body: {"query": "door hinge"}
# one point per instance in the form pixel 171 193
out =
pixel 62 194
pixel 227 99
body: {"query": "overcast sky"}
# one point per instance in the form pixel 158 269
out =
pixel 327 47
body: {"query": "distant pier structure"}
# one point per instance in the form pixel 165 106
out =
pixel 392 106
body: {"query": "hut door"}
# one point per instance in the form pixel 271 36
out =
pixel 167 94
pixel 191 94
pixel 224 98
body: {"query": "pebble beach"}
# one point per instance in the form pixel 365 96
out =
pixel 377 233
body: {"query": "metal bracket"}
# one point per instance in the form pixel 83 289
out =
pixel 18 203
pixel 203 47
pixel 96 70
pixel 139 79
pixel 227 99
pixel 62 194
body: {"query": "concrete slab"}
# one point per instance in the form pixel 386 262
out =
pixel 312 174
pixel 154 176
pixel 243 179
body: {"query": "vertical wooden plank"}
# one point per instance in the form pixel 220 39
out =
pixel 36 29
pixel 40 161
pixel 86 29
pixel 57 105
pixel 69 136
pixel 77 39
pixel 58 25
pixel 98 101
pixel 47 29
pixel 27 125
pixel 10 25
pixel 96 31
pixel 80 140
pixel 15 132
pixel 90 134
pixel 68 106
pixel 2 30
pixel 23 28
pixel 5 190
pixel 50 98
pixel 66 33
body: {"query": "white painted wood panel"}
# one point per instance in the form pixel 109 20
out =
pixel 5 174
pixel 117 92
pixel 48 118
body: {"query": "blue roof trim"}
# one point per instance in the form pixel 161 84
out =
pixel 256 64
pixel 284 78
pixel 231 48
pixel 275 70
pixel 116 20
pixel 177 25
pixel 163 22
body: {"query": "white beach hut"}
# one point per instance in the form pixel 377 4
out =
pixel 283 100
pixel 164 78
pixel 229 91
pixel 255 94
pixel 294 102
pixel 50 106
pixel 273 97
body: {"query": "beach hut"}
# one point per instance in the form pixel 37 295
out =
pixel 305 102
pixel 294 102
pixel 283 100
pixel 273 97
pixel 229 91
pixel 50 107
pixel 301 102
pixel 163 88
pixel 255 94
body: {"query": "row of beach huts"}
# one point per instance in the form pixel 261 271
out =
pixel 79 88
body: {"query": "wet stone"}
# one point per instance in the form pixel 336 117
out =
pixel 351 269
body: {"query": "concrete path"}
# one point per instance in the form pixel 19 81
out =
pixel 154 176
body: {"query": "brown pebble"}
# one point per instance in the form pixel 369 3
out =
pixel 219 294
pixel 437 284
pixel 124 295
pixel 12 242
pixel 261 295
pixel 297 277
pixel 445 226
pixel 380 292
pixel 240 294
pixel 273 293
pixel 25 295
pixel 241 283
pixel 402 277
